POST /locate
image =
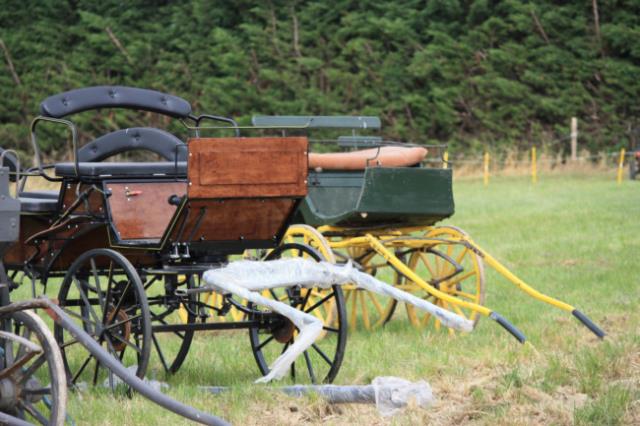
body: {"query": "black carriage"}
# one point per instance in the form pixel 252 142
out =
pixel 121 240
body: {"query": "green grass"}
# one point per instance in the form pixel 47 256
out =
pixel 574 237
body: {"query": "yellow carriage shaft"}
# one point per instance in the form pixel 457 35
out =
pixel 382 240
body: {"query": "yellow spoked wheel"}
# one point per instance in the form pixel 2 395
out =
pixel 451 267
pixel 365 308
pixel 305 234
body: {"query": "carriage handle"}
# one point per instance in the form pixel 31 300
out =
pixel 199 118
pixel 74 140
pixel 17 173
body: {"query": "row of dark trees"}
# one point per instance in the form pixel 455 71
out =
pixel 468 72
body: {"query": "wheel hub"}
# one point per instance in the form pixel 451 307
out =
pixel 121 332
pixel 283 332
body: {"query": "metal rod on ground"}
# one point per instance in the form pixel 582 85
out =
pixel 574 139
pixel 534 166
pixel 620 166
pixel 334 394
pixel 486 169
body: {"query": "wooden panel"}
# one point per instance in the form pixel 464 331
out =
pixel 141 210
pixel 70 195
pixel 19 252
pixel 235 219
pixel 247 167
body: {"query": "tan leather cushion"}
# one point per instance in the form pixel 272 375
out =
pixel 387 156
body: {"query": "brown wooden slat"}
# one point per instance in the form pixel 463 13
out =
pixel 247 167
pixel 236 219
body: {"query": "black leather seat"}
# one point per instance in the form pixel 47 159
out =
pixel 160 142
pixel 124 170
pixel 51 195
pixel 38 205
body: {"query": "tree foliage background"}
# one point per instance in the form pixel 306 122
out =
pixel 472 73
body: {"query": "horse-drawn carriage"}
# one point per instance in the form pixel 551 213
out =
pixel 120 238
pixel 126 244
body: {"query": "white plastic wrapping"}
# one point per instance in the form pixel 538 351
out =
pixel 390 394
pixel 247 278
pixel 394 393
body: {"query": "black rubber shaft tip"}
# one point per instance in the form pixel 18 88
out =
pixel 588 323
pixel 508 326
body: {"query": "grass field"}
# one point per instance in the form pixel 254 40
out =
pixel 573 236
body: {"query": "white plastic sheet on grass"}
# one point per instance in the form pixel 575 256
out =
pixel 246 279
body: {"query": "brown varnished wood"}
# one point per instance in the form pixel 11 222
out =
pixel 20 251
pixel 95 203
pixel 247 167
pixel 234 219
pixel 146 212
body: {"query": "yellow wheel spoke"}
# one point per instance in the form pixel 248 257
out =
pixel 377 304
pixel 456 280
pixel 465 294
pixel 354 311
pixel 425 260
pixel 365 312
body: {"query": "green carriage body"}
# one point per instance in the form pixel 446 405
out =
pixel 378 196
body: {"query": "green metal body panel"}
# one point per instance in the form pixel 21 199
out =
pixel 378 196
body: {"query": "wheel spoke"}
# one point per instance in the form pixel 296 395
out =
pixel 94 271
pixel 322 354
pixel 266 341
pixel 309 367
pixel 365 312
pixel 464 294
pixel 34 412
pixel 22 349
pixel 117 324
pixel 126 342
pixel 107 301
pixel 376 303
pixel 85 299
pixel 38 391
pixel 159 351
pixel 116 310
pixel 320 302
pixel 460 278
pixel 84 365
pixel 32 369
pixel 95 372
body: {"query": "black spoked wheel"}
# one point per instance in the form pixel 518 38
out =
pixel 322 361
pixel 33 386
pixel 166 309
pixel 103 292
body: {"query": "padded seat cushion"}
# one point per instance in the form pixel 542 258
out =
pixel 38 205
pixel 386 156
pixel 52 195
pixel 138 170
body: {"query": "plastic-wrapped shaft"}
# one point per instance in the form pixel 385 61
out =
pixel 246 279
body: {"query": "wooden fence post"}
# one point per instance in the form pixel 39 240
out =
pixel 574 139
pixel 620 166
pixel 486 169
pixel 534 166
pixel 445 160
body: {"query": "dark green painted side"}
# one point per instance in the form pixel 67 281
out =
pixel 378 196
